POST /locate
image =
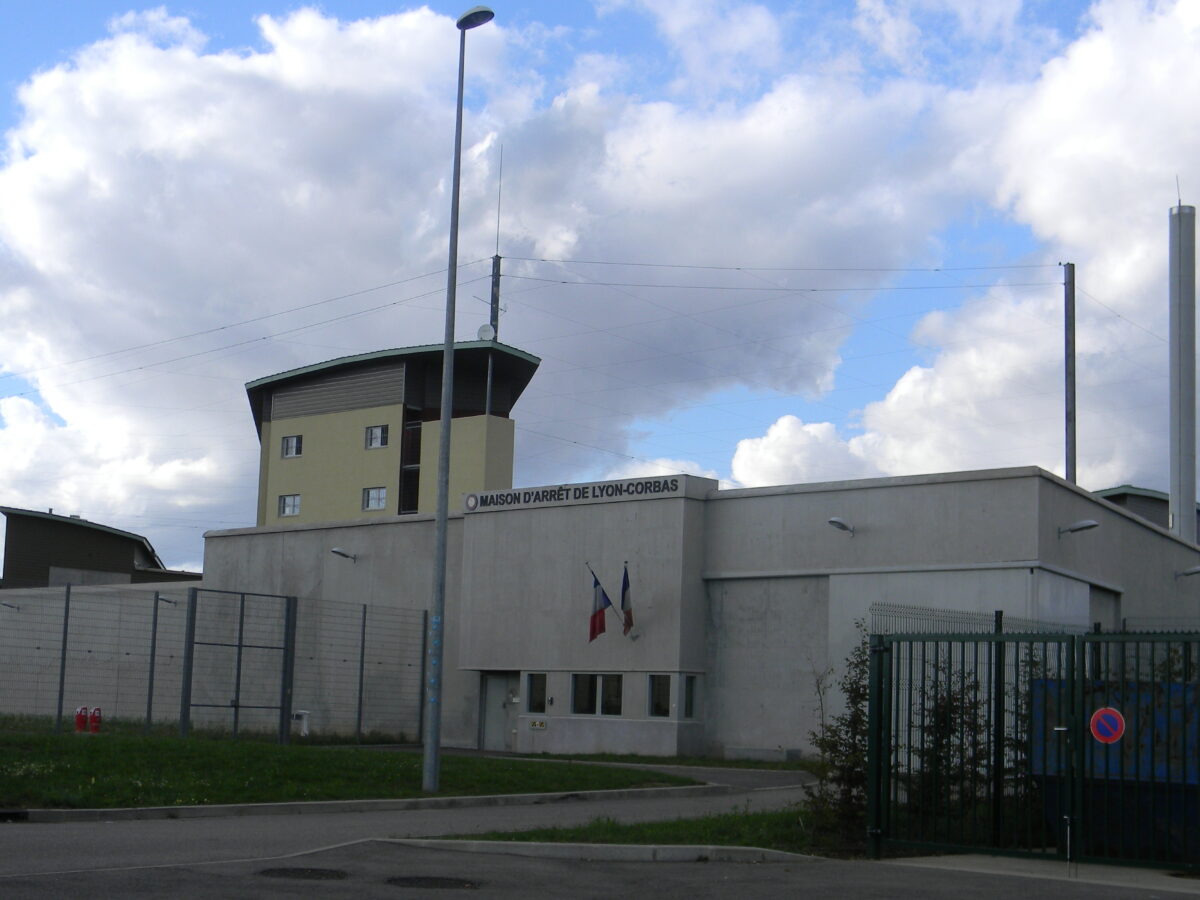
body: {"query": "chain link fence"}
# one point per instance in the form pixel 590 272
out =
pixel 901 618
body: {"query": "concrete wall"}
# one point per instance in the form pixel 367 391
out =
pixel 392 571
pixel 107 651
pixel 751 591
pixel 767 648
pixel 526 603
pixel 1126 555
pixel 959 519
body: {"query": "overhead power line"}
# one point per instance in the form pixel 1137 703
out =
pixel 229 325
pixel 602 262
pixel 248 341
pixel 786 290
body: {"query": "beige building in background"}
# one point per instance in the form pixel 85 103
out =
pixel 346 439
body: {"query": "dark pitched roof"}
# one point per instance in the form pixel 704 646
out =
pixel 515 367
pixel 84 523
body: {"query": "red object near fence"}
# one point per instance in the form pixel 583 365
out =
pixel 94 720
pixel 81 720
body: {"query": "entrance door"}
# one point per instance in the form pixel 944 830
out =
pixel 501 703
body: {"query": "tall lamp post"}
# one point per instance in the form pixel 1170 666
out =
pixel 472 18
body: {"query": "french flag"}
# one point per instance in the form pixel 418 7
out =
pixel 626 603
pixel 600 604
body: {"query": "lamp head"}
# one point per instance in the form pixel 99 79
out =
pixel 474 17
pixel 338 551
pixel 1193 570
pixel 842 525
pixel 1081 525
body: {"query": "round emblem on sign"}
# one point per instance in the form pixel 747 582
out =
pixel 472 502
pixel 1108 725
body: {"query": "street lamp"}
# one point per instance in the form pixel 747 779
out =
pixel 1081 525
pixel 472 18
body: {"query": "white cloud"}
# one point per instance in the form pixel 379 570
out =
pixel 792 452
pixel 154 189
pixel 1086 156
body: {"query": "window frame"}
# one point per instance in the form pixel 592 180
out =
pixel 296 442
pixel 535 693
pixel 285 505
pixel 600 693
pixel 652 697
pixel 381 430
pixel 690 692
pixel 369 492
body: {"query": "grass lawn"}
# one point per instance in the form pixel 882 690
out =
pixel 789 830
pixel 40 771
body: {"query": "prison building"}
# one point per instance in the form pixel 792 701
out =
pixel 357 437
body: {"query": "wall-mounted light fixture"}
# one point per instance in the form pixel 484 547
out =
pixel 1194 570
pixel 1081 525
pixel 842 525
pixel 338 551
pixel 11 606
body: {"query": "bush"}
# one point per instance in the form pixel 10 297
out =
pixel 838 802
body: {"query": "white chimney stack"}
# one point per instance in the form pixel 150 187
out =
pixel 1182 294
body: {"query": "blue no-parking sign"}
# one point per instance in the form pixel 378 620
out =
pixel 1107 725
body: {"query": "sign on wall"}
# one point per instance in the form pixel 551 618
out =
pixel 572 494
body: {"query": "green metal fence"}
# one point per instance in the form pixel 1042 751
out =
pixel 1078 746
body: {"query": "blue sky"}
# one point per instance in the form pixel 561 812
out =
pixel 773 243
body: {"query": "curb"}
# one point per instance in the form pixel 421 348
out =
pixel 45 816
pixel 614 852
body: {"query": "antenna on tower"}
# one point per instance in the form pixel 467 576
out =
pixel 493 326
pixel 500 187
pixel 1178 198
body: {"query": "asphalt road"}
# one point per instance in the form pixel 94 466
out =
pixel 360 854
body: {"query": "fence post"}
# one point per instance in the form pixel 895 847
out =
pixel 998 663
pixel 189 640
pixel 62 657
pixel 1077 674
pixel 236 703
pixel 362 653
pixel 150 673
pixel 288 669
pixel 876 747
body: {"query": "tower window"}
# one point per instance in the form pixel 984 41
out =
pixel 377 436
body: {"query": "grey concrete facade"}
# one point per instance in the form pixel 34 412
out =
pixel 746 595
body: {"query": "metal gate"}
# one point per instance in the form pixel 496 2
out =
pixel 1083 747
pixel 257 643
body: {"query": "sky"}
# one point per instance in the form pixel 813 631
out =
pixel 770 243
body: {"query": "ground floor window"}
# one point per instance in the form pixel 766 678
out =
pixel 535 692
pixel 596 693
pixel 660 695
pixel 289 504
